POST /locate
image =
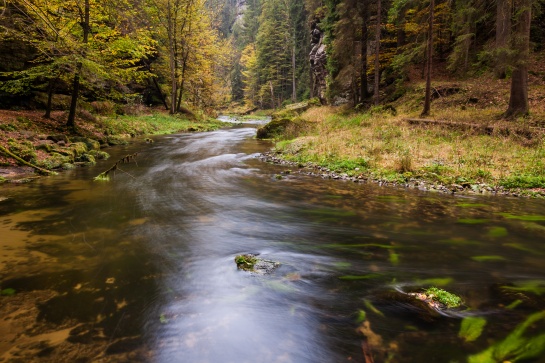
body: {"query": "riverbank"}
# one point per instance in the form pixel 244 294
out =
pixel 48 145
pixel 464 146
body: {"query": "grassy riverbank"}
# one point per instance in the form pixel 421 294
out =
pixel 464 143
pixel 48 144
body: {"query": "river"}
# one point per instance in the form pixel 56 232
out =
pixel 141 268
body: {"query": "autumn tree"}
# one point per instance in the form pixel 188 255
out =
pixel 59 32
pixel 190 50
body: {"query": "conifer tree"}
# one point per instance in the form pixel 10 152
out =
pixel 518 100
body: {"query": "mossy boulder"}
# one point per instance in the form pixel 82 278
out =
pixel 252 263
pixel 298 107
pixel 99 155
pixel 78 148
pixel 274 128
pixel 54 160
pixel 45 145
pixel 86 158
pixel 58 138
pixel 90 143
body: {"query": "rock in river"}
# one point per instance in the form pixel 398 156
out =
pixel 252 263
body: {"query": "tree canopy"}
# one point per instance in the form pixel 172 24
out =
pixel 207 53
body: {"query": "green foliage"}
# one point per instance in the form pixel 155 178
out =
pixel 497 232
pixel 472 328
pixel 523 181
pixel 516 346
pixel 444 297
pixel 532 286
pixel 7 292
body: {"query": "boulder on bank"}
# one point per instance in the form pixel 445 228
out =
pixel 90 143
pixel 274 128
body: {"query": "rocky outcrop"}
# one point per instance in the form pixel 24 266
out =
pixel 318 60
pixel 240 9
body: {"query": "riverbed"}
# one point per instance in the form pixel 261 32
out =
pixel 141 268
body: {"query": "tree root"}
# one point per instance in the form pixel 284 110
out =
pixel 24 162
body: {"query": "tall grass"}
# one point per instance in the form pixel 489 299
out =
pixel 390 146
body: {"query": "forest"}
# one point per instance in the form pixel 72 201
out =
pixel 477 61
pixel 210 53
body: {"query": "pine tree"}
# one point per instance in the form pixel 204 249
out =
pixel 518 100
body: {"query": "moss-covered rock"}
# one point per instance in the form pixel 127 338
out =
pixel 45 145
pixel 252 263
pixel 298 107
pixel 274 128
pixel 78 149
pixel 282 128
pixel 99 155
pixel 68 166
pixel 58 138
pixel 86 158
pixel 53 161
pixel 438 299
pixel 91 144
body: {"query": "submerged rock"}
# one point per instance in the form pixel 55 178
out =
pixel 252 263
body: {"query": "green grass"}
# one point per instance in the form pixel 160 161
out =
pixel 156 124
pixel 387 147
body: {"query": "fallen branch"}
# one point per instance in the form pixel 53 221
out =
pixel 24 162
pixel 104 176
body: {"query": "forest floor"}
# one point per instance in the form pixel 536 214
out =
pixel 50 145
pixel 465 145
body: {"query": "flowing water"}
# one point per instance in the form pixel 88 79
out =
pixel 141 268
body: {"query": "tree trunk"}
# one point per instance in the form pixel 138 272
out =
pixel 273 102
pixel 174 84
pixel 50 92
pixel 503 32
pixel 364 87
pixel 293 84
pixel 163 99
pixel 427 101
pixel 377 53
pixel 76 82
pixel 518 100
pixel 182 84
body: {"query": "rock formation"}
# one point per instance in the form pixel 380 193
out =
pixel 318 59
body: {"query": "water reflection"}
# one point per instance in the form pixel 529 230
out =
pixel 142 268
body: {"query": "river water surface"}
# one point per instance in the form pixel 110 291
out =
pixel 141 268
